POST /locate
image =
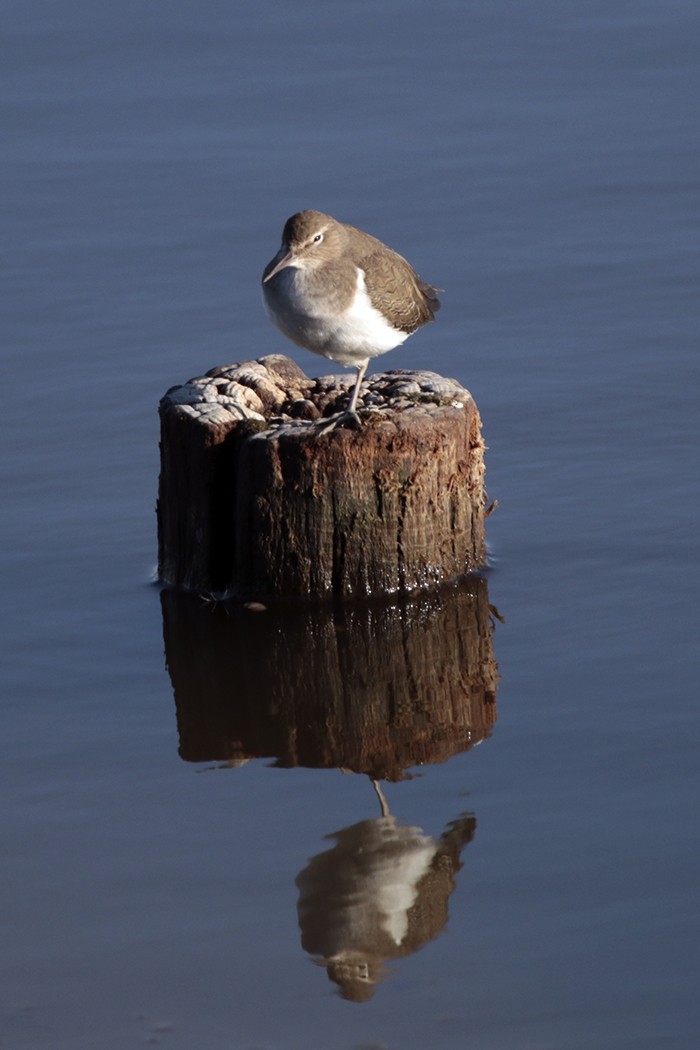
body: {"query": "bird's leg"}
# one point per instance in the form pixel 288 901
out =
pixel 349 415
pixel 361 369
pixel 380 795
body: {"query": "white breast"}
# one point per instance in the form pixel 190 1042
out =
pixel 350 337
pixel 362 331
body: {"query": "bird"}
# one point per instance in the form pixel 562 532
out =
pixel 341 293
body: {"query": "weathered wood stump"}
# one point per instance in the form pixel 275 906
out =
pixel 253 501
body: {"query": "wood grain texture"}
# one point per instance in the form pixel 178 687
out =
pixel 375 687
pixel 255 502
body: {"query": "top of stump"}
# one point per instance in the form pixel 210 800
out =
pixel 275 391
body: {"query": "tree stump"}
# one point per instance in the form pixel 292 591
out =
pixel 255 502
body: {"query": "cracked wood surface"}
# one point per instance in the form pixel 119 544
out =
pixel 254 502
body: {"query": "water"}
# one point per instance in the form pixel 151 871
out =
pixel 538 162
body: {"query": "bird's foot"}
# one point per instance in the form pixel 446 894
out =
pixel 348 418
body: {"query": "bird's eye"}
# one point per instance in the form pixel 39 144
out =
pixel 318 238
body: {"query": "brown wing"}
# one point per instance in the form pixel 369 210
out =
pixel 393 285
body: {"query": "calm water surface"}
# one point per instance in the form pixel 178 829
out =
pixel 537 161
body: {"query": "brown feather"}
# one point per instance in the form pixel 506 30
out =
pixel 392 284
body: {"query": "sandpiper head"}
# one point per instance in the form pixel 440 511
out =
pixel 309 239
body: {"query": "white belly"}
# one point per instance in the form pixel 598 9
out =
pixel 349 337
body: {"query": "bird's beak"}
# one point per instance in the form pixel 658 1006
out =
pixel 281 260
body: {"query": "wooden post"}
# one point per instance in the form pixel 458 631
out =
pixel 254 502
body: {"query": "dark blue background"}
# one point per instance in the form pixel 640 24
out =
pixel 539 162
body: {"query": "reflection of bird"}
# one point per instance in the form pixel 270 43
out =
pixel 343 294
pixel 380 795
pixel 380 893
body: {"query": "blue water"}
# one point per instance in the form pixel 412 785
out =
pixel 537 161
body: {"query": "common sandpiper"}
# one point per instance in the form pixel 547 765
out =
pixel 343 294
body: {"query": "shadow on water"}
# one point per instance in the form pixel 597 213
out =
pixel 371 688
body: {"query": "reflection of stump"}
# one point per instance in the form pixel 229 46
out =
pixel 374 687
pixel 254 501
